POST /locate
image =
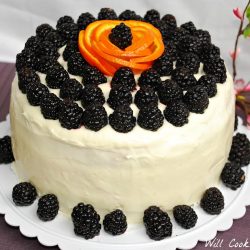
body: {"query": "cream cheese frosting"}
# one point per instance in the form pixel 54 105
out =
pixel 131 171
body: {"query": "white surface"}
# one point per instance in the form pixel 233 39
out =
pixel 19 18
pixel 60 231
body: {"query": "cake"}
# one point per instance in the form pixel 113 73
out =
pixel 160 136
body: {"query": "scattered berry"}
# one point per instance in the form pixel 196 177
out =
pixel 212 201
pixel 95 117
pixel 151 15
pixel 64 19
pixel 107 14
pixel 70 115
pixel 150 118
pixel 71 89
pixel 124 76
pixel 185 216
pixel 129 15
pixel 150 78
pixel 55 38
pixel 92 75
pixel 86 221
pixel 6 154
pixel 189 44
pixel 69 31
pixel 157 223
pixel 240 150
pixel 145 96
pixel 115 223
pixel 190 61
pixel 169 91
pixel 71 48
pixel 56 76
pixel 121 36
pixel 232 175
pixel 25 77
pixel 84 20
pixel 196 99
pixel 50 106
pixel 35 92
pixel 184 78
pixel 122 119
pixel 24 194
pixel 119 96
pixel 209 82
pixel 176 113
pixel 92 94
pixel 163 65
pixel 189 26
pixel 43 30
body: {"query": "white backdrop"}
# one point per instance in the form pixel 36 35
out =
pixel 19 18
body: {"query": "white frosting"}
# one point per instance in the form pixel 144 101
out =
pixel 130 171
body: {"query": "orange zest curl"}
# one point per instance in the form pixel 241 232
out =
pixel 99 51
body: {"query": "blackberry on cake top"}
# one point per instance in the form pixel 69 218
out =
pixel 71 89
pixel 64 19
pixel 6 154
pixel 71 48
pixel 209 82
pixel 43 30
pixel 56 76
pixel 107 14
pixel 84 20
pixel 146 96
pixel 35 93
pixel 190 61
pixel 163 65
pixel 92 75
pixel 129 15
pixel 69 31
pixel 151 15
pixel 150 78
pixel 76 64
pixel 170 21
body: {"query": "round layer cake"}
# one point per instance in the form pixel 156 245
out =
pixel 166 165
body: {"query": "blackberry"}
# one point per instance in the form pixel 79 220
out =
pixel 145 96
pixel 32 43
pixel 163 65
pixel 170 21
pixel 183 78
pixel 169 91
pixel 162 27
pixel 92 94
pixel 119 96
pixel 50 106
pixel 95 117
pixel 56 76
pixel 24 194
pixel 176 113
pixel 189 26
pixel 6 154
pixel 209 82
pixel 203 36
pixel 177 35
pixel 70 115
pixel 209 52
pixel 149 77
pixel 64 19
pixel 151 15
pixel 107 14
pixel 115 223
pixel 129 15
pixel 25 77
pixel 157 223
pixel 44 63
pixel 121 36
pixel 47 48
pixel 69 31
pixel 124 76
pixel 84 20
pixel 48 207
pixel 93 75
pixel 185 216
pixel 71 48
pixel 235 122
pixel 43 30
pixel 232 175
pixel 86 221
pixel 71 89
pixel 189 44
pixel 212 201
pixel 217 68
pixel 76 64
pixel 240 150
pixel 35 92
pixel 190 61
pixel 122 119
pixel 150 118
pixel 170 50
pixel 196 99
pixel 55 38
pixel 26 58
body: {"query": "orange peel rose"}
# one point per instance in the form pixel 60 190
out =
pixel 99 51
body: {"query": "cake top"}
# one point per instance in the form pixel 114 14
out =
pixel 178 69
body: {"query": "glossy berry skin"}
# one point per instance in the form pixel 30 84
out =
pixel 84 20
pixel 43 30
pixel 149 77
pixel 170 20
pixel 151 15
pixel 69 31
pixel 146 96
pixel 56 76
pixel 129 15
pixel 157 223
pixel 163 65
pixel 115 223
pixel 76 64
pixel 71 89
pixel 55 38
pixel 189 26
pixel 6 154
pixel 27 58
pixel 35 93
pixel 24 194
pixel 190 61
pixel 212 201
pixel 189 44
pixel 107 14
pixel 92 75
pixel 71 48
pixel 209 82
pixel 64 19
